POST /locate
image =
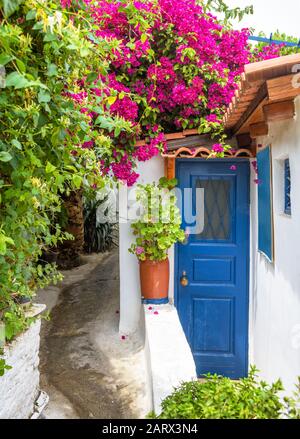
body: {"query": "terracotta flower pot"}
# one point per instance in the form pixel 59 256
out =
pixel 154 276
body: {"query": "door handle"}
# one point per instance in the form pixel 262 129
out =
pixel 184 280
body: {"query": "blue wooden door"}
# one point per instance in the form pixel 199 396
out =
pixel 213 307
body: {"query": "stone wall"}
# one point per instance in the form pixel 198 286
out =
pixel 19 387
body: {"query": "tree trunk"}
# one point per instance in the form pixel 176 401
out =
pixel 69 251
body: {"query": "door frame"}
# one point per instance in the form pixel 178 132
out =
pixel 232 161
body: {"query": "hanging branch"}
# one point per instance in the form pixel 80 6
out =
pixel 221 7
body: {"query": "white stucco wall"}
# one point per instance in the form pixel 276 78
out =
pixel 275 288
pixel 19 386
pixel 130 295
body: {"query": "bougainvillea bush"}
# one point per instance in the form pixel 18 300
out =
pixel 175 67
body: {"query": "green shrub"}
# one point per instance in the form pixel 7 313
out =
pixel 45 51
pixel 98 237
pixel 221 398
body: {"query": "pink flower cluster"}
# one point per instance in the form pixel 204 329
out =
pixel 123 171
pixel 193 55
pixel 268 52
pixel 174 67
pixel 217 148
pixel 149 150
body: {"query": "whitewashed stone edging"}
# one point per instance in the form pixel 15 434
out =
pixel 19 386
pixel 170 356
pixel 40 404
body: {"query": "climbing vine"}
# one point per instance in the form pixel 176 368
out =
pixel 45 52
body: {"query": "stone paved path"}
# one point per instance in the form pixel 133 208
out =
pixel 86 368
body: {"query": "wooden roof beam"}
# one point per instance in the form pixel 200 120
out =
pixel 279 111
pixel 259 129
pixel 284 87
pixel 272 68
pixel 257 101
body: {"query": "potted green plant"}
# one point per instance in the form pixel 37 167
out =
pixel 156 230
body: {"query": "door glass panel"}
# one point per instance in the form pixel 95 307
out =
pixel 217 208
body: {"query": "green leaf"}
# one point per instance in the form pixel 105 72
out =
pixel 38 26
pixel 84 52
pixel 10 6
pixel 31 15
pixel 21 66
pixel 2 247
pixel 5 156
pixel 44 96
pixel 16 80
pixel 9 240
pixel 52 70
pixel 50 37
pixel 5 58
pixel 3 241
pixel 111 99
pixel 144 38
pixel 77 180
pixel 50 168
pixel 92 77
pixel 16 144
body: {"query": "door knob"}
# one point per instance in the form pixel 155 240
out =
pixel 184 279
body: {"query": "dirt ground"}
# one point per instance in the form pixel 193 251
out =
pixel 87 368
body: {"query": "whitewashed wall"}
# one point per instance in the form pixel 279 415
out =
pixel 275 288
pixel 130 295
pixel 168 363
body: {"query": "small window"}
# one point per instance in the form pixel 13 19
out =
pixel 287 188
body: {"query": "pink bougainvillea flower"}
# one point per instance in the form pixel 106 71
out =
pixel 218 148
pixel 88 145
pixel 150 308
pixel 258 181
pixel 139 251
pixel 123 337
pixel 156 313
pixel 212 118
pixel 233 168
pixel 155 89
